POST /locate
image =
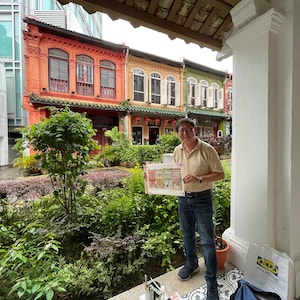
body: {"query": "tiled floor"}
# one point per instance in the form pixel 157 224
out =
pixel 228 284
pixel 173 284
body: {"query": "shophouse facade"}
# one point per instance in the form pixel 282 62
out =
pixel 159 91
pixel 154 93
pixel 203 99
pixel 142 94
pixel 64 68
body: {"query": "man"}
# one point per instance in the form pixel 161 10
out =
pixel 201 167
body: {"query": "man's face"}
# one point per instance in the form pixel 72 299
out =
pixel 186 132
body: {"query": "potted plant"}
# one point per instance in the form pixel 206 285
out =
pixel 221 198
pixel 222 247
pixel 27 165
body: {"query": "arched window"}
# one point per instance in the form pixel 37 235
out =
pixel 84 75
pixel 155 88
pixel 58 61
pixel 139 85
pixel 107 79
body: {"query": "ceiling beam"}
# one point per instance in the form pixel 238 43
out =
pixel 135 16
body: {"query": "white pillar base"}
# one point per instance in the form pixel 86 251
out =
pixel 237 254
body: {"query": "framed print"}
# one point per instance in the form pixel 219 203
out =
pixel 164 179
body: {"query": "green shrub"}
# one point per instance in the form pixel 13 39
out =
pixel 31 267
pixel 120 234
pixel 107 265
pixel 107 156
pixel 169 141
pixel 221 198
pixel 63 143
pixel 139 154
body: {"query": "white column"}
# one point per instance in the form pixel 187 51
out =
pixel 265 205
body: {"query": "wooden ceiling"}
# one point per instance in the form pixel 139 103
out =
pixel 203 22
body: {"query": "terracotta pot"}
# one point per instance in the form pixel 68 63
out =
pixel 222 256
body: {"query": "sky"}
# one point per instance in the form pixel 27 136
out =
pixel 157 43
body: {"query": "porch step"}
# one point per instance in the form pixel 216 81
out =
pixel 172 283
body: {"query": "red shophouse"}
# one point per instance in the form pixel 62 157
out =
pixel 68 68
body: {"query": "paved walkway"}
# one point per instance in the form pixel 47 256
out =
pixel 9 173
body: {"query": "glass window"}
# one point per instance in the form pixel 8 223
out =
pixel 17 38
pixel 138 85
pixel 6 39
pixel 58 71
pixel 107 79
pixel 171 90
pixel 84 75
pixel 155 88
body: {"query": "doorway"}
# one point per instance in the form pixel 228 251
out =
pixel 153 135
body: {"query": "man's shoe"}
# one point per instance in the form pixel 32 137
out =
pixel 212 292
pixel 185 273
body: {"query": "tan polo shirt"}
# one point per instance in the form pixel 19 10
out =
pixel 201 161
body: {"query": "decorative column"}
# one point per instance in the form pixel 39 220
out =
pixel 265 204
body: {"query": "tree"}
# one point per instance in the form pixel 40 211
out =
pixel 63 143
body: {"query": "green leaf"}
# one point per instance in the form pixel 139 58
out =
pixel 39 295
pixel 23 285
pixel 35 288
pixel 21 293
pixel 41 255
pixel 49 294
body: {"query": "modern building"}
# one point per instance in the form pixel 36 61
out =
pixel 70 16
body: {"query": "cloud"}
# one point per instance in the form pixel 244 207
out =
pixel 157 43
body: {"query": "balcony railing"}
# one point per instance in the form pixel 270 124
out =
pixel 57 85
pixel 86 89
pixel 107 92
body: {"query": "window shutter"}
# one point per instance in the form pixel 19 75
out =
pixel 221 99
pixel 164 95
pixel 210 96
pixel 64 71
pixel 146 85
pixel 198 95
pixel 54 68
pixel 111 79
pixel 177 94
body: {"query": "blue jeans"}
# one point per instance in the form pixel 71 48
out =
pixel 196 213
